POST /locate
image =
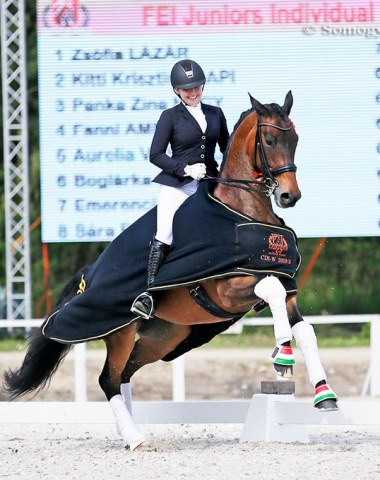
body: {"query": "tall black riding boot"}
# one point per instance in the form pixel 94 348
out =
pixel 143 304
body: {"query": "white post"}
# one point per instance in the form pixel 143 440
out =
pixel 178 370
pixel 80 373
pixel 375 356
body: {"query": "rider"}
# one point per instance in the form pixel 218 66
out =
pixel 192 129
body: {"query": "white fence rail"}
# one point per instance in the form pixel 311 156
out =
pixel 371 384
pixel 266 418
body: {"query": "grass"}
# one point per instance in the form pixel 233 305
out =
pixel 256 337
pixel 329 336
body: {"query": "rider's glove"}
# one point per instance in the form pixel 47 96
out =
pixel 196 171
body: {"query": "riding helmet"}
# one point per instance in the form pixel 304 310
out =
pixel 187 74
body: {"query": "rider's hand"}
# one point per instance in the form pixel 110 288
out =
pixel 196 171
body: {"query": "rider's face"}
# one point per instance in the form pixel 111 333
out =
pixel 190 96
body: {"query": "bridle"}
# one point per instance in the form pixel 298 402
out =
pixel 269 181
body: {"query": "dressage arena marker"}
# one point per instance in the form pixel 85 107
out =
pixel 274 418
pixel 261 423
pixel 275 415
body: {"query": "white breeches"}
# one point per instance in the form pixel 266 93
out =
pixel 169 200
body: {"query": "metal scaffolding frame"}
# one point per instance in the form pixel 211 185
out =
pixel 16 178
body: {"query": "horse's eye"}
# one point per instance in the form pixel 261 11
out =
pixel 270 140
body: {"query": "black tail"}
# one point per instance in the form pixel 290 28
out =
pixel 43 356
pixel 40 363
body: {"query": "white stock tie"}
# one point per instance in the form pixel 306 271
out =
pixel 199 116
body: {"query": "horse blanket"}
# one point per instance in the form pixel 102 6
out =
pixel 209 240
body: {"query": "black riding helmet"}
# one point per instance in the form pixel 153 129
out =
pixel 187 74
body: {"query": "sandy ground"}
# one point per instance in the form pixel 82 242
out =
pixel 194 451
pixel 209 452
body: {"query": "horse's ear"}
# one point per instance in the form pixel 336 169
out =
pixel 260 109
pixel 288 103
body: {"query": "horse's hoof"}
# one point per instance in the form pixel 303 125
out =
pixel 144 446
pixel 329 405
pixel 283 360
pixel 325 399
pixel 284 371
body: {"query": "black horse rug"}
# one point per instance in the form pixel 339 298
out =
pixel 209 240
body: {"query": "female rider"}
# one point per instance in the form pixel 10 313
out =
pixel 192 129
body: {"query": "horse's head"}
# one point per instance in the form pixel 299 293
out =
pixel 273 150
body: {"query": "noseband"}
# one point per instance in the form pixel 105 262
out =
pixel 269 181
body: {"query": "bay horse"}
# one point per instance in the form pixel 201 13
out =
pixel 258 164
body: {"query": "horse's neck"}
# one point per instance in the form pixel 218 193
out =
pixel 239 166
pixel 253 204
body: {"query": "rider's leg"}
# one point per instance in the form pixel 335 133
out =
pixel 271 290
pixel 143 304
pixel 169 200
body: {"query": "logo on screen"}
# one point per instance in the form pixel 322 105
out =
pixel 65 14
pixel 277 243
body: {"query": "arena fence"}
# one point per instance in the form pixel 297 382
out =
pixel 267 418
pixel 371 384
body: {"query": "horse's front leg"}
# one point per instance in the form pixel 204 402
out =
pixel 119 347
pixel 239 290
pixel 303 332
pixel 271 290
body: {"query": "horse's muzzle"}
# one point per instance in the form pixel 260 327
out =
pixel 287 199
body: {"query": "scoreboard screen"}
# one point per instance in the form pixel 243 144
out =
pixel 104 79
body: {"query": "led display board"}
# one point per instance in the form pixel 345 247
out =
pixel 104 79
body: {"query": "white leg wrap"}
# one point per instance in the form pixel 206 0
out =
pixel 270 289
pixel 307 342
pixel 126 393
pixel 130 434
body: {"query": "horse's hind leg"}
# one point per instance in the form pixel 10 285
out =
pixel 157 339
pixel 119 347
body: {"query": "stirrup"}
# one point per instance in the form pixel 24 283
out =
pixel 140 307
pixel 283 360
pixel 325 399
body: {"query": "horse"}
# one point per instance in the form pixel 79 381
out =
pixel 258 164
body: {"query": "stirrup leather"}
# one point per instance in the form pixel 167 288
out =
pixel 140 308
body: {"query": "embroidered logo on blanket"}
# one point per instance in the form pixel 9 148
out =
pixel 278 251
pixel 277 244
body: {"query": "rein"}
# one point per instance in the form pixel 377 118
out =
pixel 270 183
